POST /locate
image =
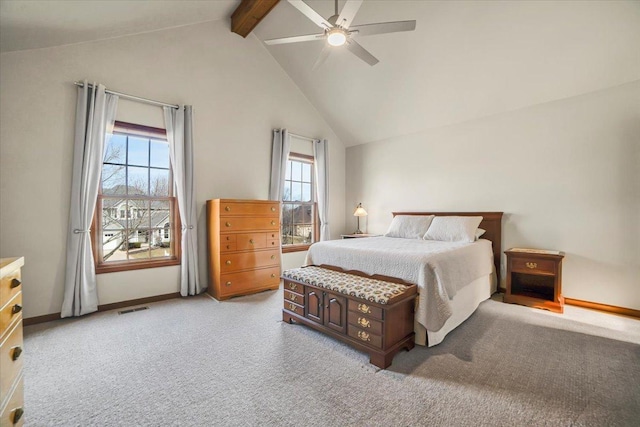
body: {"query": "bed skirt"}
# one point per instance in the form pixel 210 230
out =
pixel 463 305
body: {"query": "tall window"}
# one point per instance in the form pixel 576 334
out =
pixel 136 213
pixel 299 216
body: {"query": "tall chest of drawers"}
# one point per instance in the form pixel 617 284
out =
pixel 244 246
pixel 11 381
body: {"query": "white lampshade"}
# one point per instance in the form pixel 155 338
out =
pixel 360 211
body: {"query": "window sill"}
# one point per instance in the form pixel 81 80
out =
pixel 295 248
pixel 126 266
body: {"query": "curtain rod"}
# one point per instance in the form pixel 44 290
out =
pixel 132 97
pixel 301 137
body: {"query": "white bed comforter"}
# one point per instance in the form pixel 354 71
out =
pixel 439 269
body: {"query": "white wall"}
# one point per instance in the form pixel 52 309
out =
pixel 566 174
pixel 239 94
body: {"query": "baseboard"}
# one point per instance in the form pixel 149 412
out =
pixel 603 307
pixel 104 307
pixel 139 301
pixel 41 319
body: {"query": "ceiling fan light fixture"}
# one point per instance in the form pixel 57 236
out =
pixel 336 37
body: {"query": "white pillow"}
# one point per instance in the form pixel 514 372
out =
pixel 480 232
pixel 409 226
pixel 453 228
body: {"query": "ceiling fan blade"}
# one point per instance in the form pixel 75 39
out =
pixel 361 52
pixel 349 11
pixel 311 14
pixel 295 39
pixel 323 56
pixel 383 27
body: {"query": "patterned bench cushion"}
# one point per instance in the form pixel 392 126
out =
pixel 373 290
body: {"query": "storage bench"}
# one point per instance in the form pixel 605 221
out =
pixel 374 314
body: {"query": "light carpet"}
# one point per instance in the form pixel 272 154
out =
pixel 199 362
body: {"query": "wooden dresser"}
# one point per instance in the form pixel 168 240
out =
pixel 11 381
pixel 244 246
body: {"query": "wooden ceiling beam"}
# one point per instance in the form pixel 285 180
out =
pixel 249 14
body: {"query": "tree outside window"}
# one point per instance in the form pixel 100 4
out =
pixel 299 216
pixel 136 212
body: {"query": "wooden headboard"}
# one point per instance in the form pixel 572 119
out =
pixel 491 221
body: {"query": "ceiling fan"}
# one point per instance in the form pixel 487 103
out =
pixel 337 30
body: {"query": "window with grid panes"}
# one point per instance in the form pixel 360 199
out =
pixel 299 216
pixel 136 213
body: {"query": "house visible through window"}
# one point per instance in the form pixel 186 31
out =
pixel 135 225
pixel 299 217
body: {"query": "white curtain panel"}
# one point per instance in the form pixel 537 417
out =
pixel 279 157
pixel 321 156
pixel 179 124
pixel 95 115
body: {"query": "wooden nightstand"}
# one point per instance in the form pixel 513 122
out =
pixel 534 278
pixel 355 236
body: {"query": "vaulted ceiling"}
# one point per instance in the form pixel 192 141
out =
pixel 465 60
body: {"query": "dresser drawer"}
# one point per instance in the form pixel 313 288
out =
pixel 10 313
pixel 244 261
pixel 13 413
pixel 247 224
pixel 250 209
pixel 10 285
pixel 239 282
pixel 366 337
pixel 251 241
pixel 228 247
pixel 292 296
pixel 364 308
pixel 365 323
pixel 538 266
pixel 10 348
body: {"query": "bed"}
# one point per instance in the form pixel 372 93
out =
pixel 453 278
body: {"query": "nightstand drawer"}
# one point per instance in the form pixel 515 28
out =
pixel 531 265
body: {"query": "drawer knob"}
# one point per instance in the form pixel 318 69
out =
pixel 251 241
pixel 292 307
pixel 17 308
pixel 273 209
pixel 228 246
pixel 227 224
pixel 273 257
pixel 273 276
pixel 15 283
pixel 363 336
pixel 364 308
pixel 17 351
pixel 17 415
pixel 293 286
pixel 293 298
pixel 364 322
pixel 228 284
pixel 228 262
pixel 531 265
pixel 273 223
pixel 227 208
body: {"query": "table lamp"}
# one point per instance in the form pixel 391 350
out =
pixel 358 213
